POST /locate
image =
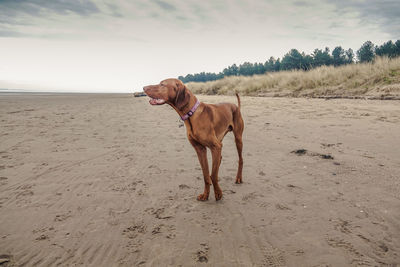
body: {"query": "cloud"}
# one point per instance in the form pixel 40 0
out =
pixel 385 13
pixel 114 10
pixel 7 33
pixel 17 13
pixel 302 3
pixel 165 5
pixel 12 8
pixel 318 20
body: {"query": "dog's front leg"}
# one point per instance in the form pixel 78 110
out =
pixel 202 155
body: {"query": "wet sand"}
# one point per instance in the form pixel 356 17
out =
pixel 108 180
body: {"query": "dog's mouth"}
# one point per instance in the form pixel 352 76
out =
pixel 156 101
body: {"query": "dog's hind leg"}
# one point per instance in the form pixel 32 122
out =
pixel 238 132
pixel 216 150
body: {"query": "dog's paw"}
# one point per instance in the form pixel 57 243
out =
pixel 202 197
pixel 238 181
pixel 218 195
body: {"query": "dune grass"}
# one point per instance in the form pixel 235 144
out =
pixel 379 79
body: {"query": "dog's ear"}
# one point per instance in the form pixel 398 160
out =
pixel 182 96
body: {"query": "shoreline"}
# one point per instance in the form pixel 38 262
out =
pixel 327 97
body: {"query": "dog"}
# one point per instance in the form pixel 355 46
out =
pixel 206 126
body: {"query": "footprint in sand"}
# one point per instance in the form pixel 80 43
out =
pixel 42 237
pixel 157 229
pixel 273 257
pixel 251 196
pixel 338 196
pixel 327 145
pixel 215 228
pixel 205 216
pixel 162 228
pixel 340 243
pixel 132 231
pixel 379 247
pixel 343 226
pixel 154 169
pixel 183 186
pixel 202 253
pixel 6 157
pixel 159 213
pixel 3 180
pixel 280 206
pixel 62 217
pixel 292 187
pixel 24 192
pixel 358 259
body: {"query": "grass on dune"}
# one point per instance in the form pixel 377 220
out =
pixel 377 79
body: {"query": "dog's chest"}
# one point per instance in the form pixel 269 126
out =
pixel 198 135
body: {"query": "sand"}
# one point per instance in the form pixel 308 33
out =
pixel 108 180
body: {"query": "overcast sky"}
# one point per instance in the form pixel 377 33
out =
pixel 121 45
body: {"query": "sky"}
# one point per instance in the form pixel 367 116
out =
pixel 121 45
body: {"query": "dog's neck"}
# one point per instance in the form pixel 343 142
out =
pixel 186 108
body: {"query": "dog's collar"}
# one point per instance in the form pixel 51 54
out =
pixel 191 112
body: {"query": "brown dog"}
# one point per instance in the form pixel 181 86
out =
pixel 206 126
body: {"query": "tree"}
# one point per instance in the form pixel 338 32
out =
pixel 366 53
pixel 387 49
pixel 397 43
pixel 296 60
pixel 277 65
pixel 307 62
pixel 231 70
pixel 339 57
pixel 259 68
pixel 321 57
pixel 269 65
pixel 349 56
pixel 246 69
pixel 292 60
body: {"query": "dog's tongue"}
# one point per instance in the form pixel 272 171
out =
pixel 156 101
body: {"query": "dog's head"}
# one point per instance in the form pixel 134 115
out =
pixel 170 91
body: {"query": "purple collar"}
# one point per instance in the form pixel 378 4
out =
pixel 191 112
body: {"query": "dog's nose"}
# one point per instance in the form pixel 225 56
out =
pixel 145 88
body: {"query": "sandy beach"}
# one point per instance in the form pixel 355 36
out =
pixel 108 180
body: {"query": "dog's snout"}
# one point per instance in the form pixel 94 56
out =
pixel 149 89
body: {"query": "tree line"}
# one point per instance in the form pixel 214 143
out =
pixel 294 60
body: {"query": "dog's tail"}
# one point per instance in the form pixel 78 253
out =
pixel 238 98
